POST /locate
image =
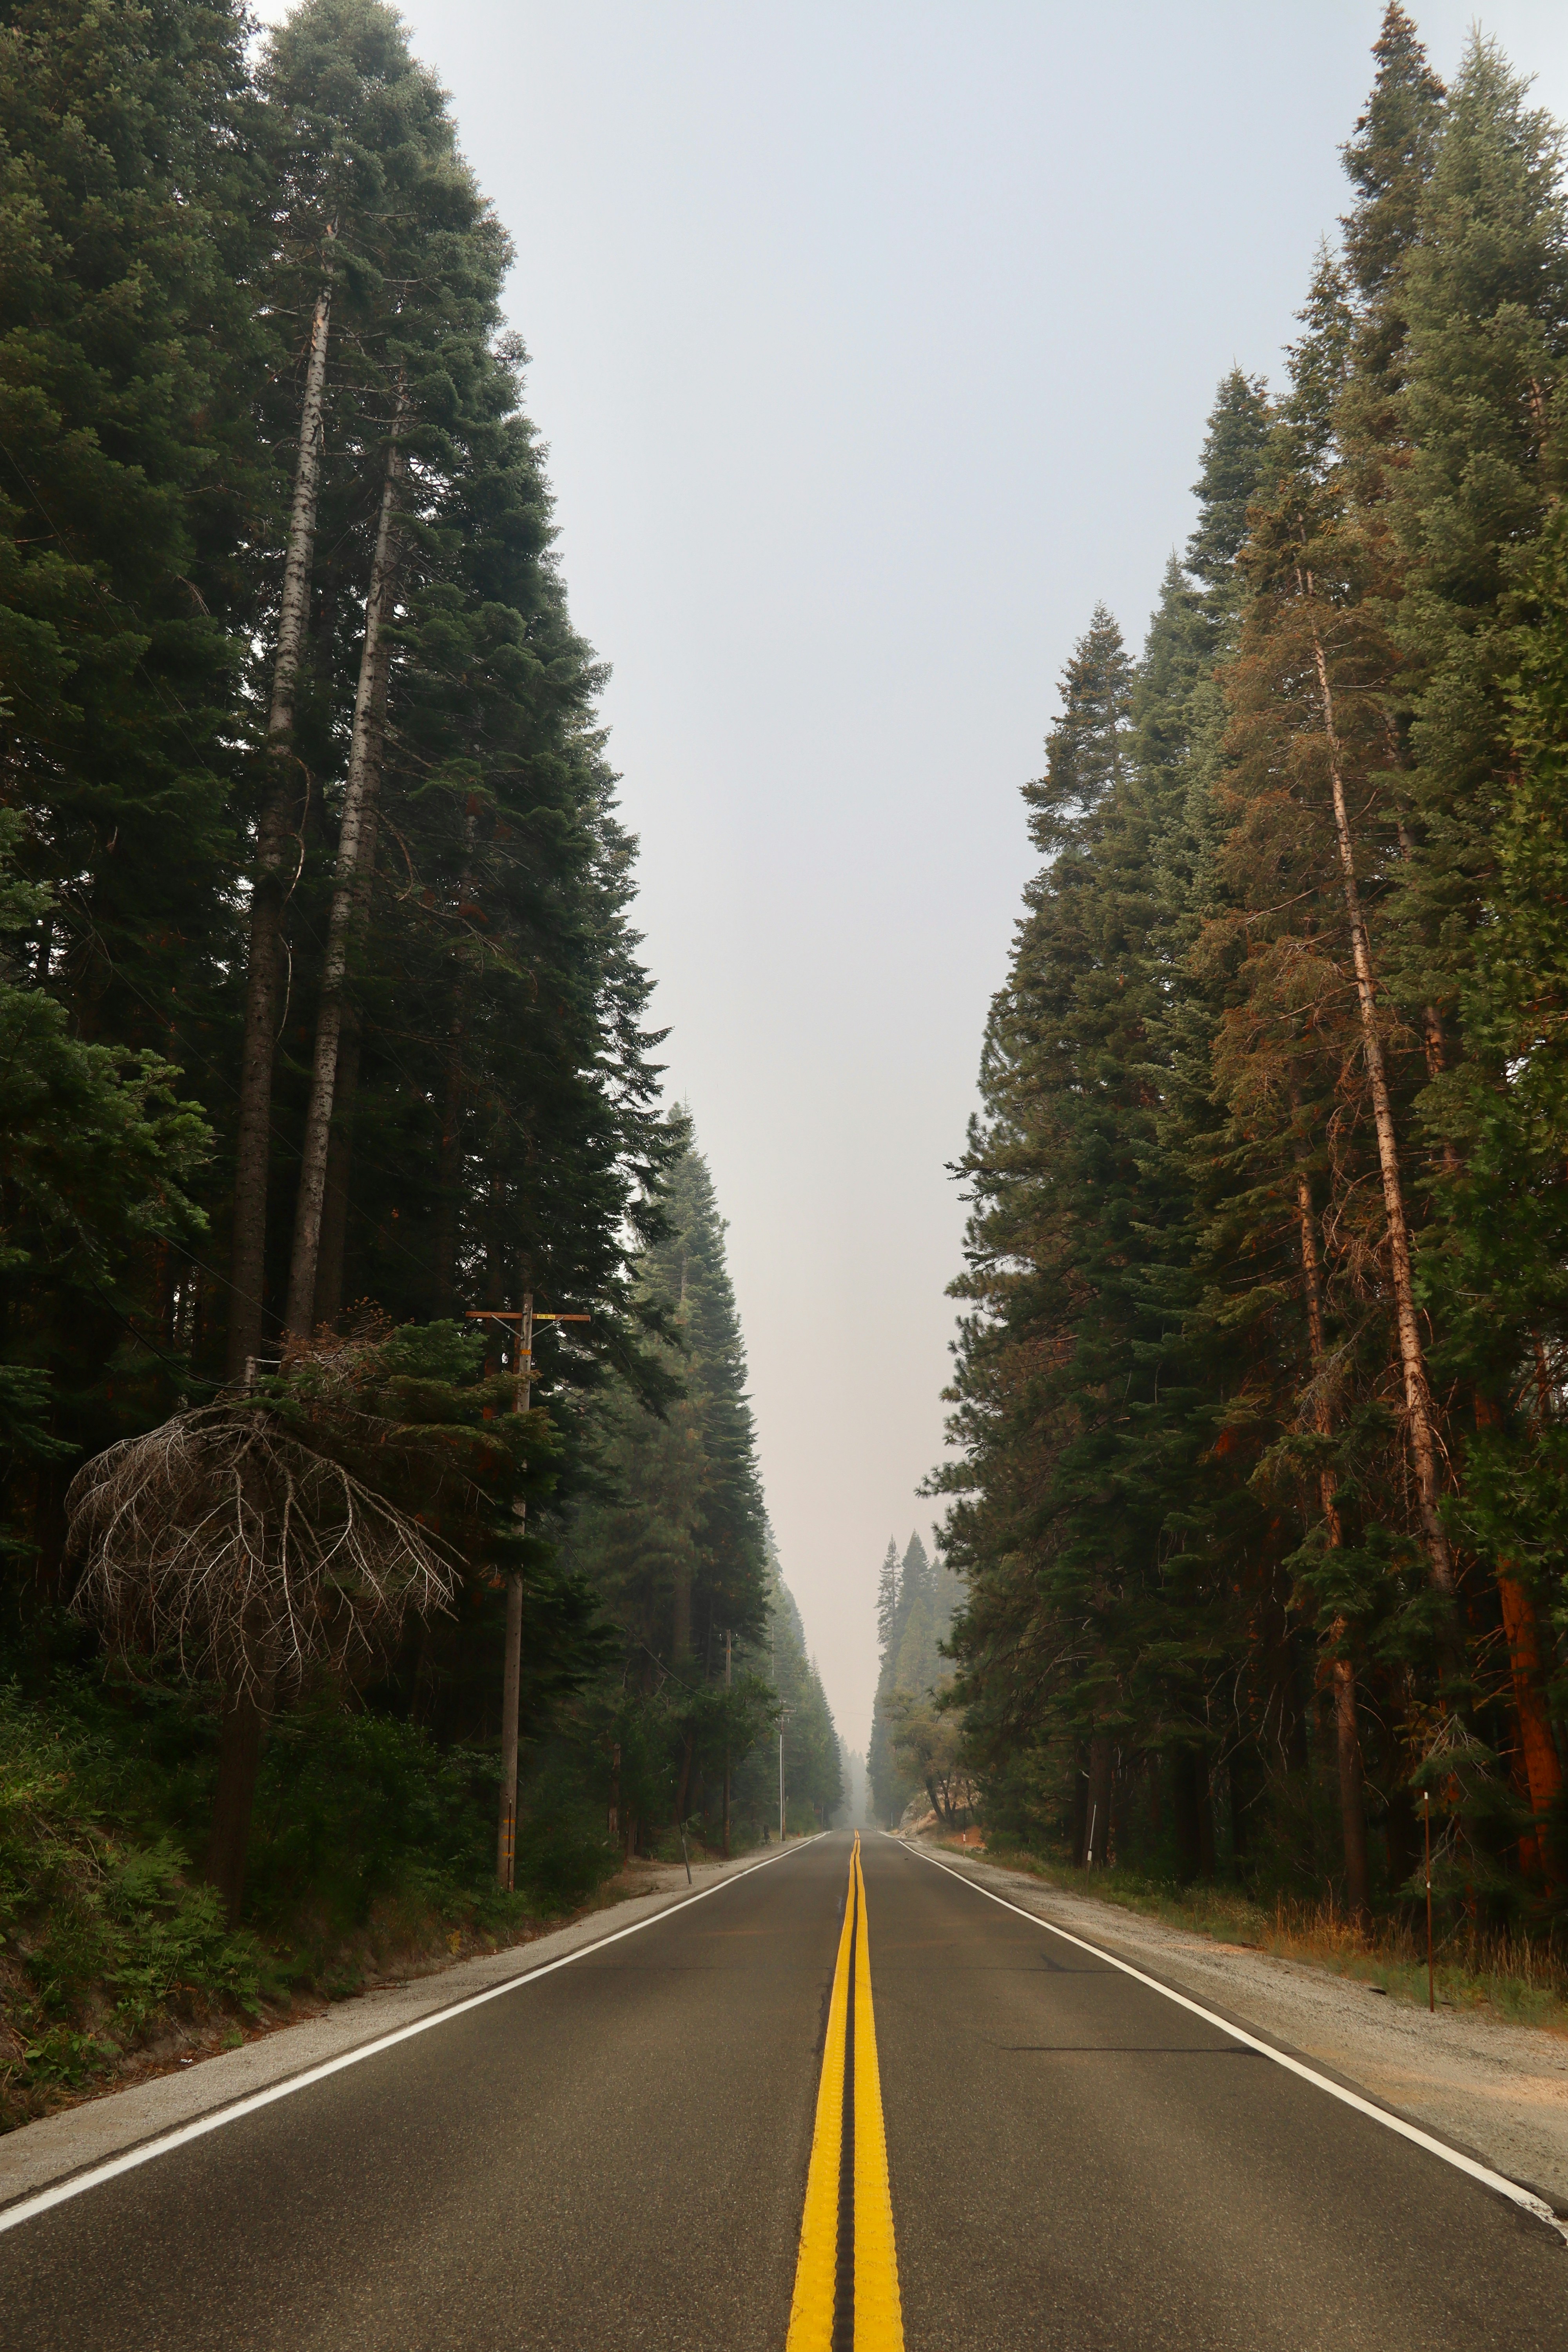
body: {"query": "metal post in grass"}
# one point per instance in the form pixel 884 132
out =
pixel 1427 1818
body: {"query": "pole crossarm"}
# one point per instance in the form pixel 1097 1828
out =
pixel 515 1315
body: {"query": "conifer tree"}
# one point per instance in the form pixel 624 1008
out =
pixel 676 1540
pixel 98 1160
pixel 373 183
pixel 1486 295
pixel 1389 161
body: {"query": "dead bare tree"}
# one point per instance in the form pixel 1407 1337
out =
pixel 252 1556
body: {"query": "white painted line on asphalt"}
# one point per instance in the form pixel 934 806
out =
pixel 26 2208
pixel 1499 2181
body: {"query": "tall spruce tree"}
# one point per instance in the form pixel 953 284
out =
pixel 1485 286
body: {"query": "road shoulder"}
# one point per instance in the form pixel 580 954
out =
pixel 75 2138
pixel 1498 2092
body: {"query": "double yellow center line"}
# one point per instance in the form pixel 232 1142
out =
pixel 847 2278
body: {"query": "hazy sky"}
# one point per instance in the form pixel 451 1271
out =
pixel 873 344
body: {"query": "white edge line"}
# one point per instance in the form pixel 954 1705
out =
pixel 26 2208
pixel 1412 2132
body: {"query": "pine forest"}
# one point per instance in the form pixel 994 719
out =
pixel 1259 1408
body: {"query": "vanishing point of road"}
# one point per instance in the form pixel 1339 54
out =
pixel 845 2102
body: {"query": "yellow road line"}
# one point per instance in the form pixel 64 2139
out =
pixel 879 2317
pixel 811 2313
pixel 871 2261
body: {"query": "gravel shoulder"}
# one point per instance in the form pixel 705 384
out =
pixel 1497 2091
pixel 79 2136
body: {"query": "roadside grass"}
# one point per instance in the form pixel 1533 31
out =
pixel 99 1936
pixel 371 1856
pixel 1509 1974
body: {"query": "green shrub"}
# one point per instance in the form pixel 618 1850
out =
pixel 98 1935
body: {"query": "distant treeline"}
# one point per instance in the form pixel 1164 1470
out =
pixel 1261 1486
pixel 913 1746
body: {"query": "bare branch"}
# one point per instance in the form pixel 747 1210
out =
pixel 252 1555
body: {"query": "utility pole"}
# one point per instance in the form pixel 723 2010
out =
pixel 729 1642
pixel 512 1678
pixel 785 1714
pixel 511 1675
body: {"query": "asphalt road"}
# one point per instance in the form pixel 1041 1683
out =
pixel 616 2156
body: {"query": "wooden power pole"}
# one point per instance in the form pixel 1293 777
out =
pixel 511 1676
pixel 729 1642
pixel 785 1714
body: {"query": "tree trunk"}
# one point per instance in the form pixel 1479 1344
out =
pixel 356 852
pixel 1184 1808
pixel 1097 1839
pixel 1347 1736
pixel 248 1254
pixel 1542 1770
pixel 1412 1362
pixel 1237 1775
pixel 449 1156
pixel 1202 1795
pixel 1283 1732
pixel 449 1174
pixel 1401 1828
pixel 334 1254
pixel 247 1707
pixel 1078 1823
pixel 680 1642
pixel 1352 1799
